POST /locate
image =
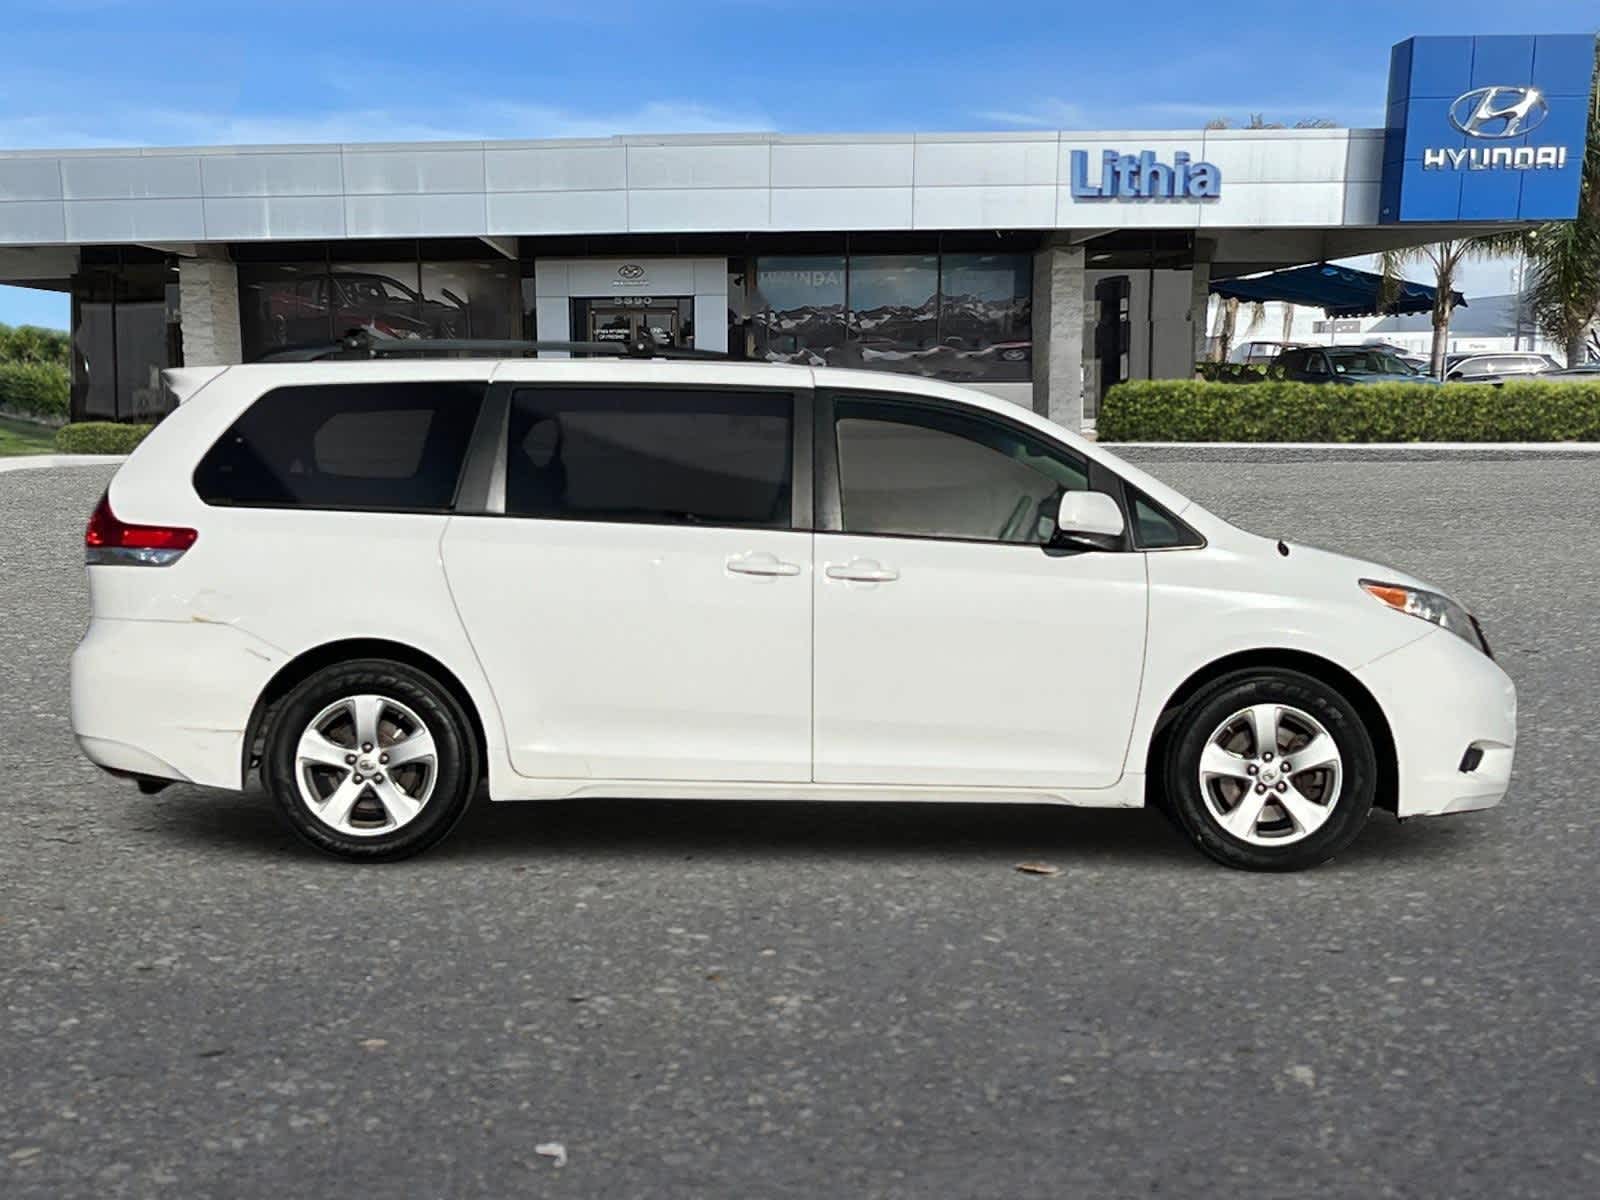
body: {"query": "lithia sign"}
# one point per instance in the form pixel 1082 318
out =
pixel 1143 177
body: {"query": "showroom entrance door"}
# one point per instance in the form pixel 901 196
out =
pixel 625 323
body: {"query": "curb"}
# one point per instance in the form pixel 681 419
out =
pixel 24 462
pixel 1351 451
pixel 1364 447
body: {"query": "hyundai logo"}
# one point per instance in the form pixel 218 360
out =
pixel 630 271
pixel 1499 112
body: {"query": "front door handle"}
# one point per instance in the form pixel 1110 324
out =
pixel 762 564
pixel 862 570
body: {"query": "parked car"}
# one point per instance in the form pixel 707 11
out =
pixel 382 584
pixel 1587 373
pixel 1259 353
pixel 1344 364
pixel 1420 363
pixel 1489 367
pixel 380 306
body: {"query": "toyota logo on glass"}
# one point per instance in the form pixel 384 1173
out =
pixel 1486 128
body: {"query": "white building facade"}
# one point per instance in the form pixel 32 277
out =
pixel 1043 267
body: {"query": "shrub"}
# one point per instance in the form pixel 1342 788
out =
pixel 1275 410
pixel 34 390
pixel 100 437
pixel 31 344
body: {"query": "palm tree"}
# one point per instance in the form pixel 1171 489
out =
pixel 1227 321
pixel 1445 258
pixel 1564 256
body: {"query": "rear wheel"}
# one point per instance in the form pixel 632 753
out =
pixel 1270 770
pixel 371 760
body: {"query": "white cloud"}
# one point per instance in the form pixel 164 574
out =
pixel 469 120
pixel 1053 113
pixel 1045 113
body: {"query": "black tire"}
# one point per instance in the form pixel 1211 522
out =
pixel 1212 706
pixel 455 771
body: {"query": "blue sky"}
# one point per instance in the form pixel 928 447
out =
pixel 144 72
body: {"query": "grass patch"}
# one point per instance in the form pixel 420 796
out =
pixel 24 437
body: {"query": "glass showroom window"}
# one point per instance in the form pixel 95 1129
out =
pixel 125 332
pixel 894 312
pixel 985 317
pixel 147 320
pixel 94 348
pixel 283 305
pixel 799 309
pixel 471 299
pixel 293 304
pixel 964 317
pixel 382 298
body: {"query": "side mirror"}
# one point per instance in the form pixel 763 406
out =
pixel 1090 519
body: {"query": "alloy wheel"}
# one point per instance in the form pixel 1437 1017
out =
pixel 366 765
pixel 1271 774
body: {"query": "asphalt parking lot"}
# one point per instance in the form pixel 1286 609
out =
pixel 806 1000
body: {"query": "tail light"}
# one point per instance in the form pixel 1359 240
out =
pixel 108 540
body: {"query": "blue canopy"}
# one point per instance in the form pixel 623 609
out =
pixel 1338 291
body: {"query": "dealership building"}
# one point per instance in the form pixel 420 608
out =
pixel 1040 266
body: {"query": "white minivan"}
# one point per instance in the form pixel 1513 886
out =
pixel 385 583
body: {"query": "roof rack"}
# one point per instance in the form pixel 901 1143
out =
pixel 360 344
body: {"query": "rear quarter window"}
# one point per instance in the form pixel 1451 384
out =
pixel 379 446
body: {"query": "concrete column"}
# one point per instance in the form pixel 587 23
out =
pixel 208 305
pixel 1058 306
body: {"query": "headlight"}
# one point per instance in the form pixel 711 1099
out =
pixel 1429 606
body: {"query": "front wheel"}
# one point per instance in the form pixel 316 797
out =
pixel 371 760
pixel 1270 770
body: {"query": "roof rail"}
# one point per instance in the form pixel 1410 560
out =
pixel 359 344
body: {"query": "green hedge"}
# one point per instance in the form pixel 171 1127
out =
pixel 1187 410
pixel 34 390
pixel 100 437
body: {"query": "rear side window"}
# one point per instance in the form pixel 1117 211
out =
pixel 1516 364
pixel 676 456
pixel 381 446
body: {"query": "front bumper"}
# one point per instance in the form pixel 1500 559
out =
pixel 1443 698
pixel 168 699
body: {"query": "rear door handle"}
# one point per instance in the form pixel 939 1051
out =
pixel 762 564
pixel 862 570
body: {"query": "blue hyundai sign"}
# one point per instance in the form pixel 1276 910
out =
pixel 1486 128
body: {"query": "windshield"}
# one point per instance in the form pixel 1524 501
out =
pixel 374 289
pixel 1367 362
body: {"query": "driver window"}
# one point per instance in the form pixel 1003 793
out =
pixel 921 471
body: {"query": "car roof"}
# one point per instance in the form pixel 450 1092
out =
pixel 709 371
